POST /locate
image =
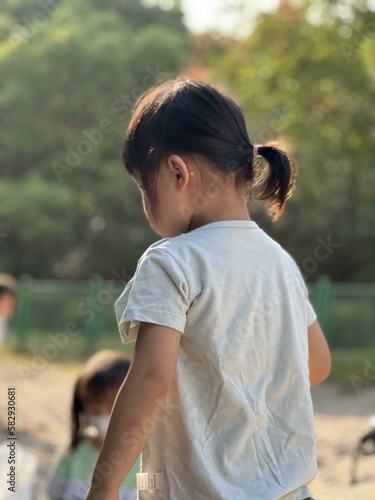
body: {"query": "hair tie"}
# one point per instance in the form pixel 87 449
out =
pixel 255 149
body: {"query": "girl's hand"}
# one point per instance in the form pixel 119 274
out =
pixel 96 494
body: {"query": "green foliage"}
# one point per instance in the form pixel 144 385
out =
pixel 310 85
pixel 73 72
pixel 37 209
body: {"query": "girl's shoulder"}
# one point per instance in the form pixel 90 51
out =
pixel 174 246
pixel 84 447
pixel 165 250
pixel 63 451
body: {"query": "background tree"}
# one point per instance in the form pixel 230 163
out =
pixel 73 73
pixel 305 76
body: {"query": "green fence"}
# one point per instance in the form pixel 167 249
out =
pixel 65 319
pixel 346 312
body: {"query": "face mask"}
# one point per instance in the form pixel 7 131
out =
pixel 99 422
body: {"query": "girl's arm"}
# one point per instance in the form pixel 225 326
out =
pixel 140 399
pixel 319 355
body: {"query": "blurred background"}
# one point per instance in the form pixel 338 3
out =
pixel 71 221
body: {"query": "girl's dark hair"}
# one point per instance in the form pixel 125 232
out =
pixel 102 374
pixel 188 117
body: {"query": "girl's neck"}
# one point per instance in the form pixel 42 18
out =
pixel 227 203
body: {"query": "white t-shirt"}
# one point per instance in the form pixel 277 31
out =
pixel 239 421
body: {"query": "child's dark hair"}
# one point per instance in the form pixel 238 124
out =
pixel 188 117
pixel 6 290
pixel 102 374
pixel 8 285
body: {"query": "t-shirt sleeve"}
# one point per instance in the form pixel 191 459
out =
pixel 311 315
pixel 157 293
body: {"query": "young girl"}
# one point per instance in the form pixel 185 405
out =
pixel 227 343
pixel 94 393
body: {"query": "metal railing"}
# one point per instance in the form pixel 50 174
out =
pixel 82 313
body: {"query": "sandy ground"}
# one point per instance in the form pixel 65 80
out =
pixel 43 398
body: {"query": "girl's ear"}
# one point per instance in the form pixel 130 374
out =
pixel 180 171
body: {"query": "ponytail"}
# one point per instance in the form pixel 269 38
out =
pixel 277 183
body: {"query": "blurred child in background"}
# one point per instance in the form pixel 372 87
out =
pixel 94 393
pixel 8 291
